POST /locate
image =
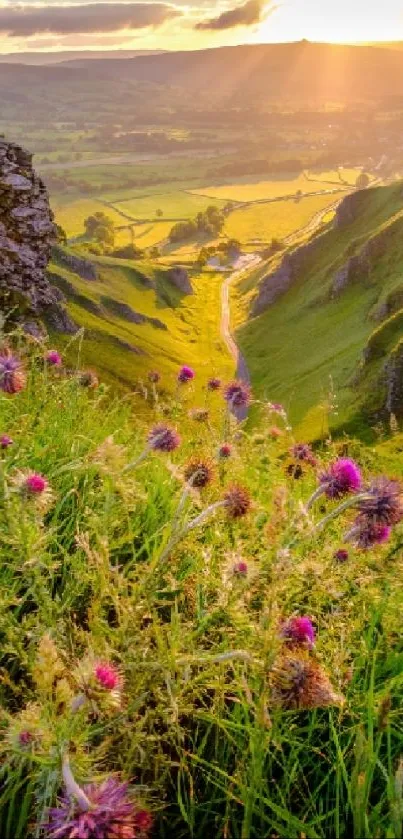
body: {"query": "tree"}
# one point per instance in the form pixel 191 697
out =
pixel 362 181
pixel 159 213
pixel 100 228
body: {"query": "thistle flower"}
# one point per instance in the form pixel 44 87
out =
pixel 225 450
pixel 34 488
pixel 276 408
pixel 89 379
pixel 53 358
pixel 199 472
pixel 384 504
pixel 341 555
pixel 240 568
pixel 163 438
pixel 303 452
pixel 237 501
pixel 5 441
pixel 107 676
pixel 101 811
pixel 35 484
pixel 297 682
pixel 366 534
pixel 199 414
pixel 275 432
pixel 154 377
pixel 12 376
pixel 186 374
pixel 213 384
pixel 295 470
pixel 237 394
pixel 299 631
pixel 342 477
pixel 101 683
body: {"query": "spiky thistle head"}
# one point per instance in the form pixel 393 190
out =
pixel 303 452
pixel 199 472
pixel 367 533
pixel 237 501
pixel 102 683
pixel 341 555
pixel 53 358
pixel 238 394
pixel 341 478
pixel 110 814
pixel 154 377
pixel 12 376
pixel 240 568
pixel 214 383
pixel 298 682
pixel 383 504
pixel 299 631
pixel 225 450
pixel 34 489
pixel 5 441
pixel 163 438
pixel 199 414
pixel 186 374
pixel 89 379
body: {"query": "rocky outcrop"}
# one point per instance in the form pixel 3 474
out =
pixel 122 310
pixel 83 267
pixel 179 277
pixel 358 268
pixel 279 281
pixel 394 382
pixel 350 209
pixel 27 233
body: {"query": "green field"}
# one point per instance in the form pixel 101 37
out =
pixel 259 223
pixel 71 214
pixel 174 205
pixel 257 190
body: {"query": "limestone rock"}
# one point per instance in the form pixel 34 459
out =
pixel 180 278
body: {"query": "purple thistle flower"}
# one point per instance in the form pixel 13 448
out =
pixel 162 438
pixel 25 738
pixel 107 676
pixel 237 393
pixel 12 377
pixel 342 477
pixel 110 814
pixel 237 501
pixel 384 503
pixel 35 484
pixel 341 555
pixel 214 383
pixel 54 358
pixel 303 452
pixel 186 374
pixel 225 450
pixel 368 534
pixel 299 631
pixel 240 568
pixel 154 376
pixel 5 441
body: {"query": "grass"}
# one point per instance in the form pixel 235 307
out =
pixel 259 223
pixel 196 729
pixel 175 205
pixel 258 190
pixel 306 348
pixel 71 214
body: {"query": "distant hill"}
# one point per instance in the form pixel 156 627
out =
pixel 45 58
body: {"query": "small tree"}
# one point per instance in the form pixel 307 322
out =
pixel 159 213
pixel 362 181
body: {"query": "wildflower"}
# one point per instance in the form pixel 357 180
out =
pixel 213 384
pixel 240 568
pixel 367 533
pixel 342 477
pixel 384 503
pixel 107 676
pixel 53 358
pixel 89 379
pixel 186 374
pixel 35 484
pixel 299 631
pixel 276 408
pixel 237 501
pixel 97 811
pixel 5 441
pixel 294 470
pixel 101 683
pixel 154 377
pixel 25 738
pixel 200 414
pixel 163 438
pixel 237 394
pixel 34 488
pixel 341 555
pixel 199 473
pixel 303 452
pixel 297 682
pixel 225 450
pixel 12 376
pixel 275 432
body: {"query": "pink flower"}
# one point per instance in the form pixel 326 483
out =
pixel 163 438
pixel 214 383
pixel 107 675
pixel 275 432
pixel 237 394
pixel 54 358
pixel 341 555
pixel 5 441
pixel 240 568
pixel 299 631
pixel 185 374
pixel 35 484
pixel 342 477
pixel 225 450
pixel 12 376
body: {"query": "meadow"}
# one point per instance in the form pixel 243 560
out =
pixel 275 187
pixel 180 621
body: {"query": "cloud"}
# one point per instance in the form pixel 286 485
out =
pixel 22 21
pixel 246 15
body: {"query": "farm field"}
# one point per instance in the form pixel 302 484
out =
pixel 259 223
pixel 72 214
pixel 258 190
pixel 145 235
pixel 174 205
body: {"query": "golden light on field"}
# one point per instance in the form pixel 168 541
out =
pixel 339 21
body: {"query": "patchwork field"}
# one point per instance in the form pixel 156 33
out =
pixel 174 205
pixel 258 189
pixel 71 214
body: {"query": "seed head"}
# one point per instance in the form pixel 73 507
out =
pixel 225 450
pixel 299 632
pixel 111 815
pixel 199 473
pixel 384 504
pixel 342 477
pixel 295 470
pixel 89 379
pixel 298 682
pixel 5 441
pixel 237 501
pixel 12 376
pixel 154 377
pixel 163 438
pixel 213 384
pixel 240 568
pixel 200 414
pixel 186 374
pixel 341 555
pixel 238 394
pixel 275 432
pixel 53 358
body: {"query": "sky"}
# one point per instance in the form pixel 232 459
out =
pixel 191 24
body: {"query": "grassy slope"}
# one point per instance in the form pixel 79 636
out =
pixel 304 345
pixel 202 740
pixel 192 335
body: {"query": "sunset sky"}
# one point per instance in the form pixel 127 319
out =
pixel 192 24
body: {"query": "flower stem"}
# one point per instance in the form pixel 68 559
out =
pixel 72 786
pixel 191 525
pixel 317 494
pixel 139 460
pixel 351 502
